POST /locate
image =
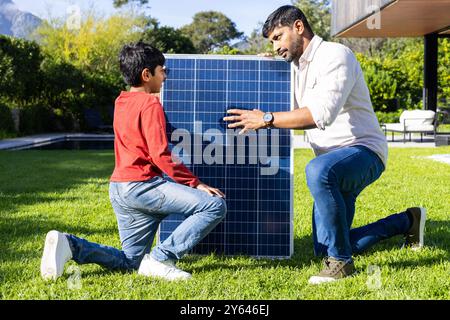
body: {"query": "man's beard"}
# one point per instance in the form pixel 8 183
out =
pixel 295 52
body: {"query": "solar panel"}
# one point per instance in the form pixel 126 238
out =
pixel 254 170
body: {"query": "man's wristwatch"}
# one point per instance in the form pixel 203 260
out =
pixel 268 119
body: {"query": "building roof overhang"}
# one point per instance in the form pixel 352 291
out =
pixel 390 18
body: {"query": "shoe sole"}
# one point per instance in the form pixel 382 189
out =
pixel 165 278
pixel 50 266
pixel 158 276
pixel 147 269
pixel 423 218
pixel 320 280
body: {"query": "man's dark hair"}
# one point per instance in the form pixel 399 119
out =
pixel 135 57
pixel 282 17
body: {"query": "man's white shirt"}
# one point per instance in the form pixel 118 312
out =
pixel 329 82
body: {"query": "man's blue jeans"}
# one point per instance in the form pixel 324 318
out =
pixel 335 179
pixel 139 208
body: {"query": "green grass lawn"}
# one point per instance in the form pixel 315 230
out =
pixel 68 191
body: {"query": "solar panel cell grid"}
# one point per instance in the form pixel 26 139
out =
pixel 196 96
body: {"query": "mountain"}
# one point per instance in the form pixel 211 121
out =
pixel 16 23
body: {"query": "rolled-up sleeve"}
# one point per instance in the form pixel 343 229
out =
pixel 327 93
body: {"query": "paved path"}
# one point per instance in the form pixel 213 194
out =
pixel 445 158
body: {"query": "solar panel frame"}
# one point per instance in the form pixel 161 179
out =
pixel 217 240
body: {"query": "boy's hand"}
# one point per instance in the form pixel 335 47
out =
pixel 212 191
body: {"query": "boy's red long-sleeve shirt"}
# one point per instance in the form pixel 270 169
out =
pixel 140 144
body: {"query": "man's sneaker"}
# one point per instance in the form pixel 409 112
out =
pixel 161 269
pixel 414 236
pixel 333 270
pixel 56 253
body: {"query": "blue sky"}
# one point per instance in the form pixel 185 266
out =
pixel 245 13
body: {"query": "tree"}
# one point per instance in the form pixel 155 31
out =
pixel 210 30
pixel 95 46
pixel 6 121
pixel 318 13
pixel 367 46
pixel 444 73
pixel 20 74
pixel 226 50
pixel 119 3
pixel 394 74
pixel 256 43
pixel 80 68
pixel 167 39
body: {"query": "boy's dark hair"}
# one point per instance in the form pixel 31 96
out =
pixel 282 17
pixel 135 57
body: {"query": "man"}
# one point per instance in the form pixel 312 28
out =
pixel 332 104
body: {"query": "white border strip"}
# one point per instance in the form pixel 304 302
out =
pixel 222 57
pixel 292 152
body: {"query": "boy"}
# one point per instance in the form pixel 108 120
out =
pixel 139 195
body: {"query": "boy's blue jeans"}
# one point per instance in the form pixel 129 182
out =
pixel 139 208
pixel 335 179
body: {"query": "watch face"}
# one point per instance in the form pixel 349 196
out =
pixel 268 117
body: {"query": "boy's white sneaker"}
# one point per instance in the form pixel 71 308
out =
pixel 162 269
pixel 56 253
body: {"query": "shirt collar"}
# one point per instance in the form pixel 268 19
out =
pixel 310 51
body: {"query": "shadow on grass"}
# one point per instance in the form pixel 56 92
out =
pixel 26 175
pixel 15 232
pixel 302 256
pixel 28 178
pixel 437 236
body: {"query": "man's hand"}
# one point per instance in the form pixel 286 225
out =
pixel 248 119
pixel 212 191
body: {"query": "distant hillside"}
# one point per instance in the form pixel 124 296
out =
pixel 16 23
